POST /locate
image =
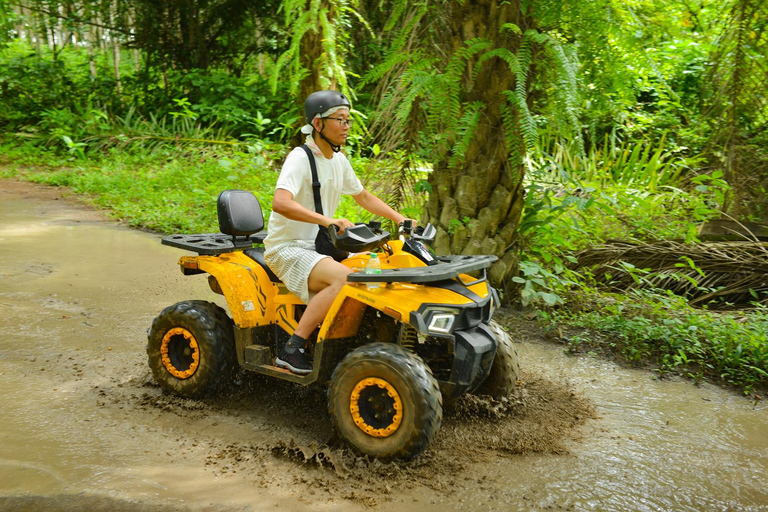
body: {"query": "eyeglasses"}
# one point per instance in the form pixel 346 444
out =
pixel 342 122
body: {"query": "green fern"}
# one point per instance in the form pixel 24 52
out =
pixel 326 16
pixel 465 132
pixel 502 53
pixel 425 78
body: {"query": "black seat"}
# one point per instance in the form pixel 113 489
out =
pixel 257 255
pixel 239 213
pixel 240 216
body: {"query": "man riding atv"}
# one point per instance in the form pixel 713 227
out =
pixel 290 249
pixel 390 347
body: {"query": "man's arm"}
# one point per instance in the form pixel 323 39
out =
pixel 377 207
pixel 283 203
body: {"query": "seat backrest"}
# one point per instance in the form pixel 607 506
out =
pixel 239 213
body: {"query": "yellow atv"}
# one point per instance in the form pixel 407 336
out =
pixel 388 353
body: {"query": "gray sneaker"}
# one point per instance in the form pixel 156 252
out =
pixel 296 362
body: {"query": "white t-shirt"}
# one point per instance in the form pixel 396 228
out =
pixel 336 177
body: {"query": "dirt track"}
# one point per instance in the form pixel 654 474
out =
pixel 84 426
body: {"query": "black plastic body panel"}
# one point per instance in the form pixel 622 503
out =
pixel 469 317
pixel 474 353
pixel 257 255
pixel 358 238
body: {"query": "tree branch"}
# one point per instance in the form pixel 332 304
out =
pixel 77 19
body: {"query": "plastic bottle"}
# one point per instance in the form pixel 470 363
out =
pixel 373 267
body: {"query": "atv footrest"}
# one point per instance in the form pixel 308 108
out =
pixel 282 373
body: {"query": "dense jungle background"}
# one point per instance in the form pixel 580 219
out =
pixel 613 155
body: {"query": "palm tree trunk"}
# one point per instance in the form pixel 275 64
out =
pixel 311 53
pixel 477 205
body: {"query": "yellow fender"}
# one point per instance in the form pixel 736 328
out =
pixel 246 286
pixel 396 300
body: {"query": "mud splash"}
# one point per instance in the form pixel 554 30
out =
pixel 541 417
pixel 476 430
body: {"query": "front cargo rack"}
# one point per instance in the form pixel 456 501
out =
pixel 449 267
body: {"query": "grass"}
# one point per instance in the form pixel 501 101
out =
pixel 637 193
pixel 170 190
pixel 660 329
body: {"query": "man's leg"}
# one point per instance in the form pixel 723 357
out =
pixel 325 280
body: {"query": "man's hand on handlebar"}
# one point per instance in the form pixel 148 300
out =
pixel 408 225
pixel 341 224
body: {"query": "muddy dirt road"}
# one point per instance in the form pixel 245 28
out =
pixel 83 427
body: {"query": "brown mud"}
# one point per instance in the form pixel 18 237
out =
pixel 84 427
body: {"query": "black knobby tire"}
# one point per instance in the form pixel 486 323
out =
pixel 365 389
pixel 191 348
pixel 502 378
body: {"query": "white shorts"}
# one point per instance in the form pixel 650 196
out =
pixel 292 262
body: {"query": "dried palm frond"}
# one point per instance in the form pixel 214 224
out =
pixel 716 274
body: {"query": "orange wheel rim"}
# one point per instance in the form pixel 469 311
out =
pixel 376 407
pixel 180 353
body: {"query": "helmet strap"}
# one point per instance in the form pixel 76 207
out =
pixel 334 147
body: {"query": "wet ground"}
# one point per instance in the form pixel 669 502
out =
pixel 83 427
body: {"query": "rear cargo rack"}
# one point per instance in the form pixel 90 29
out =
pixel 214 243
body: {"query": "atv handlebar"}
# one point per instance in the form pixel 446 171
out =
pixel 360 237
pixel 425 234
pixel 364 237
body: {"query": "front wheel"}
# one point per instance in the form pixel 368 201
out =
pixel 385 402
pixel 502 378
pixel 191 348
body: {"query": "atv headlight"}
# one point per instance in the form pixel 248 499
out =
pixel 440 320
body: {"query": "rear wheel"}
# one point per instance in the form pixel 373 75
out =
pixel 191 348
pixel 385 402
pixel 502 379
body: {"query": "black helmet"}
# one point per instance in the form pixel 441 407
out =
pixel 320 101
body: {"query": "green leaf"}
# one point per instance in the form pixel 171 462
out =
pixel 511 27
pixel 529 268
pixel 423 186
pixel 550 298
